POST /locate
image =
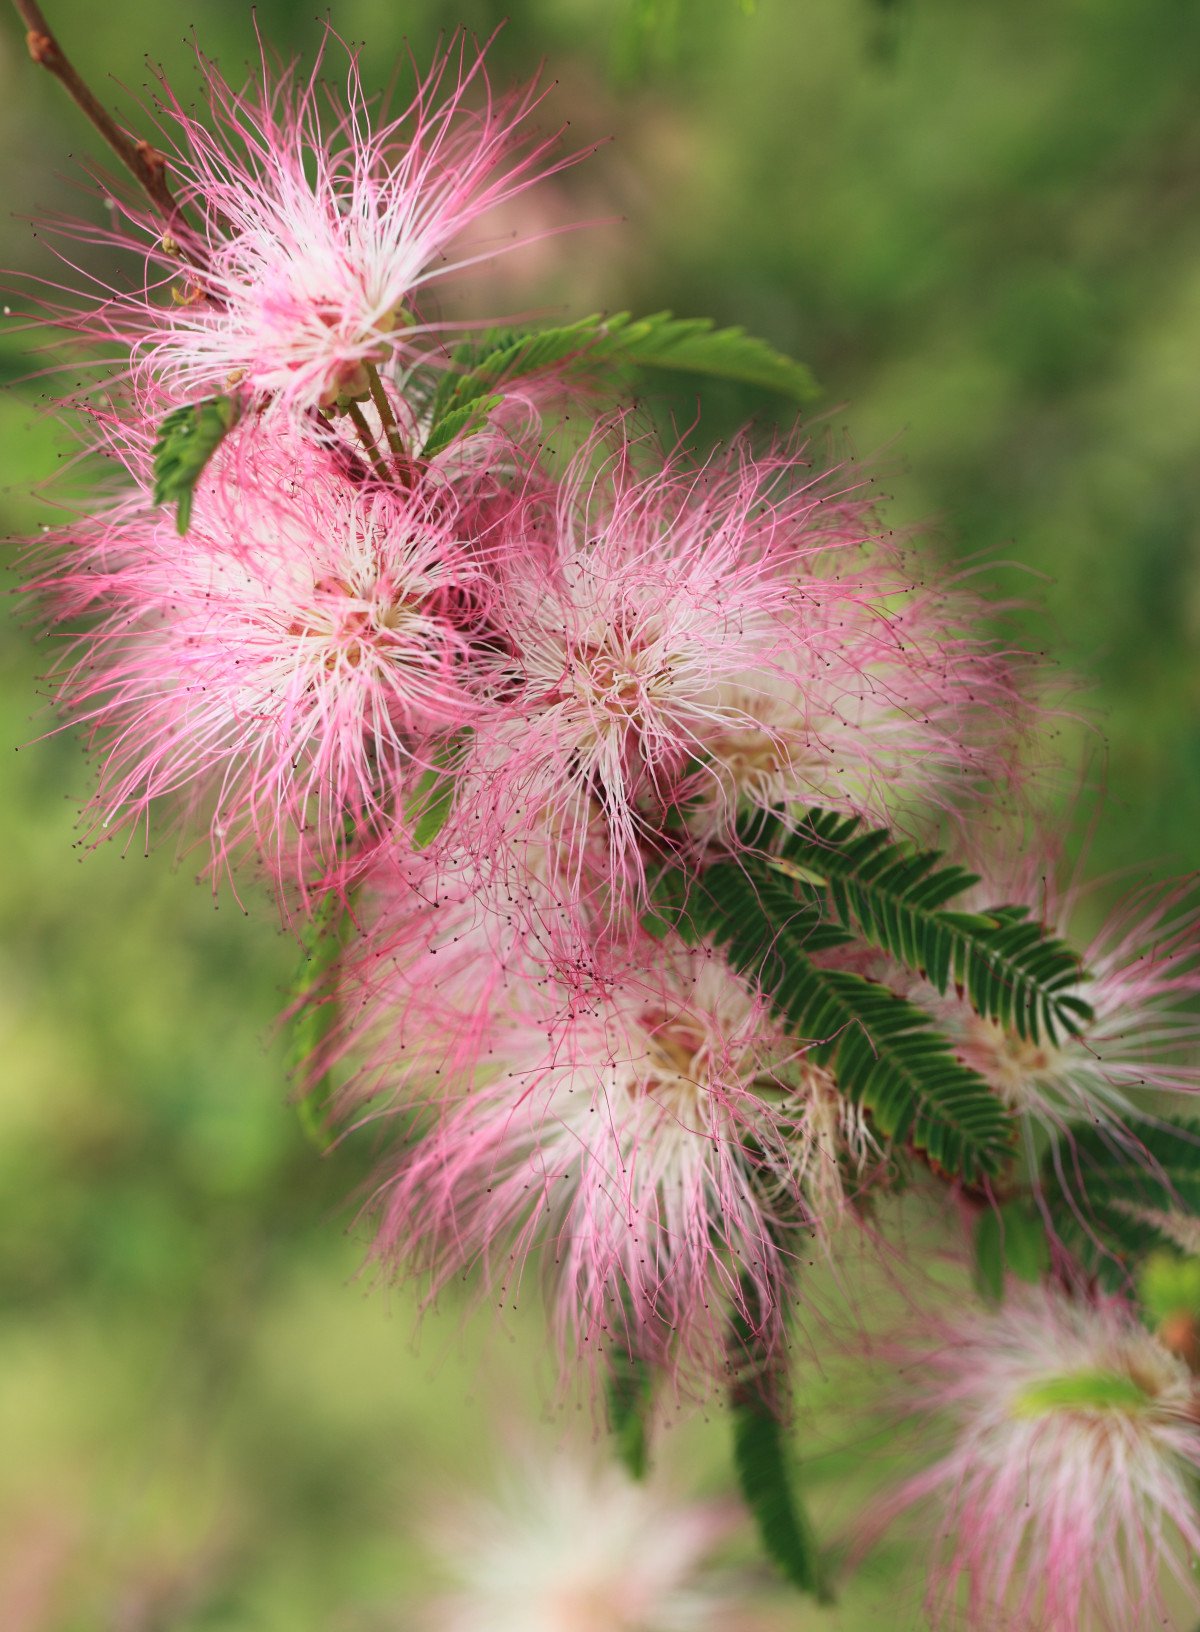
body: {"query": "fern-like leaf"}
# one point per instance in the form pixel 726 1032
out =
pixel 767 1482
pixel 766 1470
pixel 885 1052
pixel 1113 1205
pixel 630 1398
pixel 694 345
pixel 464 419
pixel 1009 968
pixel 317 1015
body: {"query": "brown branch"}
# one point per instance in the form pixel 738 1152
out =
pixel 144 162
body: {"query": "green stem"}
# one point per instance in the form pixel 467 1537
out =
pixel 359 421
pixel 404 469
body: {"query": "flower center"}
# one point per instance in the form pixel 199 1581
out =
pixel 673 1072
pixel 1012 1064
pixel 613 682
pixel 349 623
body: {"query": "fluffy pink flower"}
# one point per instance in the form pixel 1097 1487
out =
pixel 287 667
pixel 573 1545
pixel 655 1142
pixel 1067 1496
pixel 683 644
pixel 321 228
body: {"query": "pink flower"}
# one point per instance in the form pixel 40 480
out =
pixel 288 667
pixel 1067 1495
pixel 684 644
pixel 573 1545
pixel 655 1141
pixel 322 227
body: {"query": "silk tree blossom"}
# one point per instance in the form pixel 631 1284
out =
pixel 287 667
pixel 686 643
pixel 322 226
pixel 571 1544
pixel 868 712
pixel 657 1144
pixel 439 928
pixel 441 947
pixel 1067 1496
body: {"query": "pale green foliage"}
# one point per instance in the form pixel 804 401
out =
pixel 187 439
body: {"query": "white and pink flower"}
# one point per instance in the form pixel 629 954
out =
pixel 684 644
pixel 570 1544
pixel 311 230
pixel 653 1145
pixel 285 669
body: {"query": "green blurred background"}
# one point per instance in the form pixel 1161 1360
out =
pixel 979 224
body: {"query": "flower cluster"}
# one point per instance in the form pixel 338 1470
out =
pixel 599 778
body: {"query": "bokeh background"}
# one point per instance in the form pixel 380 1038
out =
pixel 980 225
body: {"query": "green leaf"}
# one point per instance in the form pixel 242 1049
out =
pixel 468 391
pixel 317 1014
pixel 1114 1203
pixel 767 1480
pixel 885 1052
pixel 1009 968
pixel 667 914
pixel 428 807
pixel 630 1398
pixel 472 387
pixel 658 926
pixel 462 421
pixel 694 345
pixel 501 355
pixel 187 439
pixel 766 1470
pixel 1009 1240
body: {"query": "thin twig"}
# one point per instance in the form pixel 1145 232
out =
pixel 144 162
pixel 404 467
pixel 359 421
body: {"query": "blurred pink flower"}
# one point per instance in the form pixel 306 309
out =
pixel 1067 1496
pixel 574 1545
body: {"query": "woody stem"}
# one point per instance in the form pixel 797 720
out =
pixel 144 162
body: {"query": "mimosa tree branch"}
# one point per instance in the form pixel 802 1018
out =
pixel 143 161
